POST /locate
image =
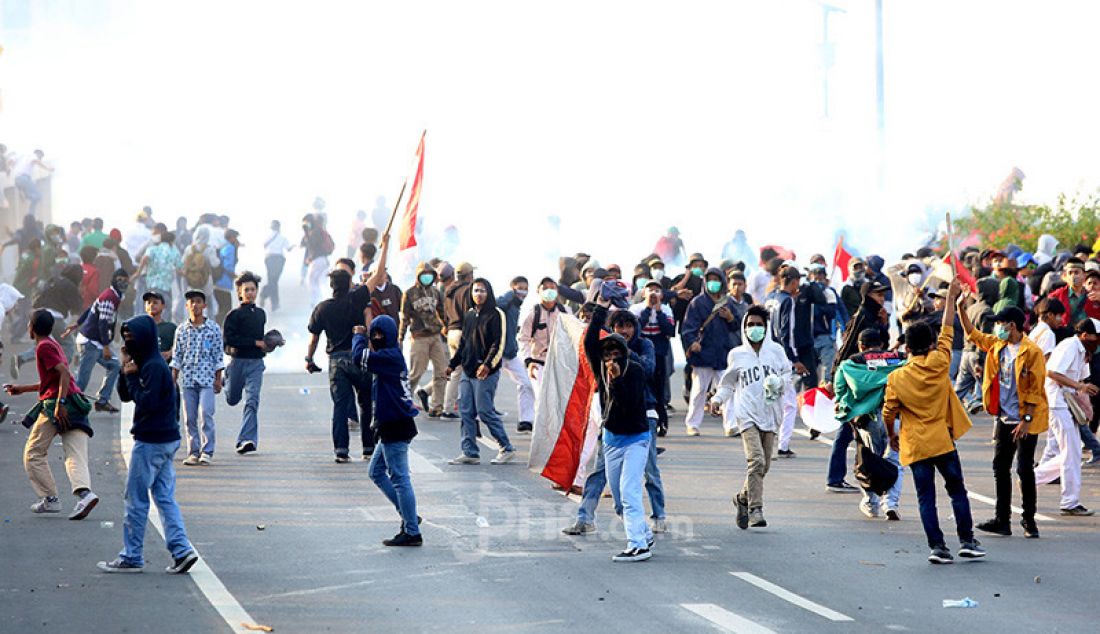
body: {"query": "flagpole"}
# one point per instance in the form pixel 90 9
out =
pixel 951 247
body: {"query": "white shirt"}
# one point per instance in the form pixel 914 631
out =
pixel 758 285
pixel 1068 359
pixel 276 244
pixel 24 166
pixel 1043 337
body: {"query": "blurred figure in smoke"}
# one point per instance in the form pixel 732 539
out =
pixel 275 248
pixel 356 234
pixel 318 245
pixel 380 215
pixel 738 249
pixel 671 248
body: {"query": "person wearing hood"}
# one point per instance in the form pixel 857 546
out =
pixel 707 338
pixel 510 303
pixel 751 388
pixel 580 287
pixel 61 410
pixel 859 388
pixel 97 329
pixel 53 251
pixel 422 318
pixel 457 302
pixel 379 354
pixel 849 293
pixel 147 383
pixel 657 325
pixel 244 329
pixel 870 314
pixel 781 304
pixel 968 379
pixel 479 356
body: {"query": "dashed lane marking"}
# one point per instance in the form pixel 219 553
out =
pixel 791 597
pixel 725 619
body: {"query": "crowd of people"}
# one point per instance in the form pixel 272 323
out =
pixel 905 353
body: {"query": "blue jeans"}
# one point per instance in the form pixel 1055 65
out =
pixel 246 376
pixel 194 398
pixel 956 360
pixel 151 469
pixel 30 190
pixel 825 349
pixel 1089 440
pixel 90 355
pixel 625 470
pixel 345 381
pixel 389 469
pixel 595 482
pixel 968 382
pixel 838 459
pixel 880 443
pixel 924 479
pixel 475 402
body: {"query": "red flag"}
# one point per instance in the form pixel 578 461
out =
pixel 841 258
pixel 407 233
pixel 962 273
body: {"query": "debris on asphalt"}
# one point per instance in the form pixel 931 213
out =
pixel 260 527
pixel 62 585
pixel 960 603
pixel 997 594
pixel 256 627
pixel 106 524
pixel 1038 579
pixel 872 563
pixel 482 522
pixel 304 391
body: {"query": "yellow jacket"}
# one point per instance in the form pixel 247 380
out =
pixel 932 418
pixel 1031 372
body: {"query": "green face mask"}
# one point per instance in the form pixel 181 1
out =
pixel 755 333
pixel 1001 332
pixel 714 287
pixel 426 279
pixel 697 272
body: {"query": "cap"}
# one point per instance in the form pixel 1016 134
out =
pixel 914 268
pixel 877 287
pixel 653 261
pixel 195 293
pixel 854 261
pixel 152 295
pixel 1012 314
pixel 653 283
pixel 465 268
pixel 697 257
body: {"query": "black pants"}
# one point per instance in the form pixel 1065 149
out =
pixel 1005 449
pixel 657 385
pixel 808 356
pixel 274 264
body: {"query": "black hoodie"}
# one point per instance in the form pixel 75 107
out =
pixel 151 388
pixel 483 335
pixel 623 401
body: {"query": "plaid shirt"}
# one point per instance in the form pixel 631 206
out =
pixel 97 324
pixel 197 353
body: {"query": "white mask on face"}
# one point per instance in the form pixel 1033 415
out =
pixel 658 274
pixel 156 239
pixel 914 279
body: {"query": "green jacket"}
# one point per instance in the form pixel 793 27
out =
pixel 77 405
pixel 860 388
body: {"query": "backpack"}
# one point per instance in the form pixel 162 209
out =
pixel 196 268
pixel 537 324
pixel 327 245
pixel 873 472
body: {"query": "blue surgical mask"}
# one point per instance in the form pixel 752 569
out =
pixel 640 283
pixel 755 333
pixel 549 294
pixel 714 287
pixel 426 279
pixel 697 272
pixel 1001 332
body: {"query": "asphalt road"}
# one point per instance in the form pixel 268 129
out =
pixel 318 564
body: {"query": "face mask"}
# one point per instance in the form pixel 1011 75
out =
pixel 914 279
pixel 1001 332
pixel 859 276
pixel 658 274
pixel 426 279
pixel 549 294
pixel 520 294
pixel 121 286
pixel 714 287
pixel 640 283
pixel 156 239
pixel 697 272
pixel 755 333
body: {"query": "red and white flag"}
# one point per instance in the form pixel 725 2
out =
pixel 406 236
pixel 841 259
pixel 943 270
pixel 565 397
pixel 816 409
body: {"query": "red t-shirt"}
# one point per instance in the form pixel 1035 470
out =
pixel 47 354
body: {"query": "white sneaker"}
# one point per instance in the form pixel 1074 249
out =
pixel 84 506
pixel 504 457
pixel 692 431
pixel 867 509
pixel 464 459
pixel 46 505
pixel 206 459
pixel 733 433
pixel 191 461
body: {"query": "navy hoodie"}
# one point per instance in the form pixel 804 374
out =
pixel 393 406
pixel 151 388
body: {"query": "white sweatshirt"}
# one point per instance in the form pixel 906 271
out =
pixel 744 379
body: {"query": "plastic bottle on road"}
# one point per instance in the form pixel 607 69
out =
pixel 960 603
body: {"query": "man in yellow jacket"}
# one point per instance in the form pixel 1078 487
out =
pixel 932 419
pixel 1012 392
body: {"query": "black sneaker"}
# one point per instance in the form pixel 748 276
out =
pixel 660 450
pixel 893 515
pixel 841 487
pixel 183 564
pixel 524 427
pixel 449 416
pixel 1031 529
pixel 632 554
pixel 1077 511
pixel 940 555
pixel 996 527
pixel 662 429
pixel 786 453
pixel 972 550
pixel 422 394
pixel 246 447
pixel 814 434
pixel 404 539
pixel 368 452
pixel 742 506
pixel 342 458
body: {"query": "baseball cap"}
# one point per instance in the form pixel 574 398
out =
pixel 195 293
pixel 1011 314
pixel 152 295
pixel 914 268
pixel 465 268
pixel 875 287
pixel 654 283
pixel 697 257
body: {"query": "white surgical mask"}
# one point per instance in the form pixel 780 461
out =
pixel 549 294
pixel 915 278
pixel 658 274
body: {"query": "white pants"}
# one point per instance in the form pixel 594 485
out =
pixel 701 380
pixel 516 371
pixel 790 410
pixel 1067 463
pixel 1051 448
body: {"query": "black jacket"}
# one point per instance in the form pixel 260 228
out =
pixel 483 337
pixel 243 327
pixel 623 401
pixel 151 388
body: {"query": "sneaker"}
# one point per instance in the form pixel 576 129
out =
pixel 972 550
pixel 183 564
pixel 1031 529
pixel 733 433
pixel 524 428
pixel 660 526
pixel 84 506
pixel 449 416
pixel 975 407
pixel 422 394
pixel 632 554
pixel 504 457
pixel 342 458
pixel 435 414
pixel 118 565
pixel 205 459
pixel 868 509
pixel 464 459
pixel 579 528
pixel 940 555
pixel 841 487
pixel 660 450
pixel 1094 461
pixel 246 447
pixel 4 411
pixel 893 515
pixel 404 539
pixel 756 518
pixel 995 527
pixel 786 453
pixel 692 431
pixel 191 461
pixel 742 506
pixel 814 434
pixel 662 430
pixel 368 452
pixel 106 407
pixel 1077 511
pixel 46 505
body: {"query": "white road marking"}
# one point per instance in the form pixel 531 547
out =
pixel 725 619
pixel 300 593
pixel 420 464
pixel 821 439
pixel 992 502
pixel 488 444
pixel 211 586
pixel 791 597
